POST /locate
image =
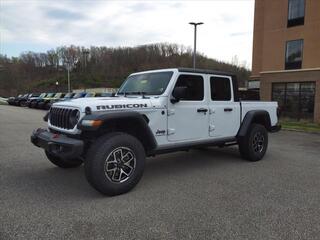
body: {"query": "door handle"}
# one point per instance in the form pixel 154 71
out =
pixel 228 109
pixel 204 110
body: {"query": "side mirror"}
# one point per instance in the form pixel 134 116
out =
pixel 178 93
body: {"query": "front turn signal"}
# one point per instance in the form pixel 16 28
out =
pixel 91 123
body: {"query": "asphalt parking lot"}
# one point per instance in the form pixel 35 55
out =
pixel 207 194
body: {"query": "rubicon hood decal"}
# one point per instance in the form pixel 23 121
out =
pixel 121 106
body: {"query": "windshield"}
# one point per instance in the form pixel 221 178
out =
pixel 50 95
pixel 42 95
pixel 68 95
pixel 147 83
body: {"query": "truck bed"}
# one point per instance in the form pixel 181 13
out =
pixel 270 107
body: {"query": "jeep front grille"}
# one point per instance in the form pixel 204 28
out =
pixel 64 117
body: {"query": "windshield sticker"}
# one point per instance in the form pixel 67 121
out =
pixel 119 106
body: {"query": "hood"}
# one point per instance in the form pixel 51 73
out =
pixel 111 103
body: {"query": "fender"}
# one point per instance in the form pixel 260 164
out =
pixel 254 116
pixel 128 118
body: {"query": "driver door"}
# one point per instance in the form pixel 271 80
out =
pixel 188 119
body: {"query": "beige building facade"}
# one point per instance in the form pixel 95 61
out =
pixel 286 55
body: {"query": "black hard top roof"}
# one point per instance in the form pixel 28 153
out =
pixel 206 71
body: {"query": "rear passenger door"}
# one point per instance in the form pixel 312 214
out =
pixel 188 119
pixel 224 112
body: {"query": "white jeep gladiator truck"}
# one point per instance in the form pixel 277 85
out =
pixel 153 112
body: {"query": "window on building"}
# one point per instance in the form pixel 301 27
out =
pixel 294 52
pixel 194 85
pixel 296 100
pixel 220 89
pixel 296 12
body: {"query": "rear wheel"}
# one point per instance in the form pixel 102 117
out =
pixel 63 163
pixel 115 163
pixel 254 145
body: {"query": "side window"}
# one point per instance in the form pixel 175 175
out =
pixel 296 12
pixel 194 86
pixel 294 53
pixel 220 89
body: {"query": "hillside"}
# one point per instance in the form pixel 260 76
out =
pixel 96 66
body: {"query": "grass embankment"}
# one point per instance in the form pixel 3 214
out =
pixel 300 126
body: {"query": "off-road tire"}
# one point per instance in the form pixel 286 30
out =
pixel 63 163
pixel 104 152
pixel 254 145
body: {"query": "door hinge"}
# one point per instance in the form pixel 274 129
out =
pixel 170 112
pixel 171 131
pixel 211 128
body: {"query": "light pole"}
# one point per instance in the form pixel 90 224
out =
pixel 68 70
pixel 195 41
pixel 57 84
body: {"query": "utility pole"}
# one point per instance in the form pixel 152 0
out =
pixel 195 41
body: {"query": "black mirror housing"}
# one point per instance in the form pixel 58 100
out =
pixel 178 93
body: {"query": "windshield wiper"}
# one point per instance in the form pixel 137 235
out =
pixel 134 93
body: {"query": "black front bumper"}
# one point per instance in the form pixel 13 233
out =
pixel 57 144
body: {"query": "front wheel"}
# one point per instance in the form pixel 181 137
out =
pixel 23 104
pixel 254 145
pixel 63 163
pixel 115 163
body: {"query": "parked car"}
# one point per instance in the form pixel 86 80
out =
pixel 32 100
pixel 45 102
pixel 3 101
pixel 16 101
pixel 79 95
pixel 90 94
pixel 107 94
pixel 11 99
pixel 154 112
pixel 95 94
pixel 68 96
pixel 34 104
pixel 23 101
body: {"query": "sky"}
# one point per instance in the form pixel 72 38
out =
pixel 40 25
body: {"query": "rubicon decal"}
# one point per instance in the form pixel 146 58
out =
pixel 121 106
